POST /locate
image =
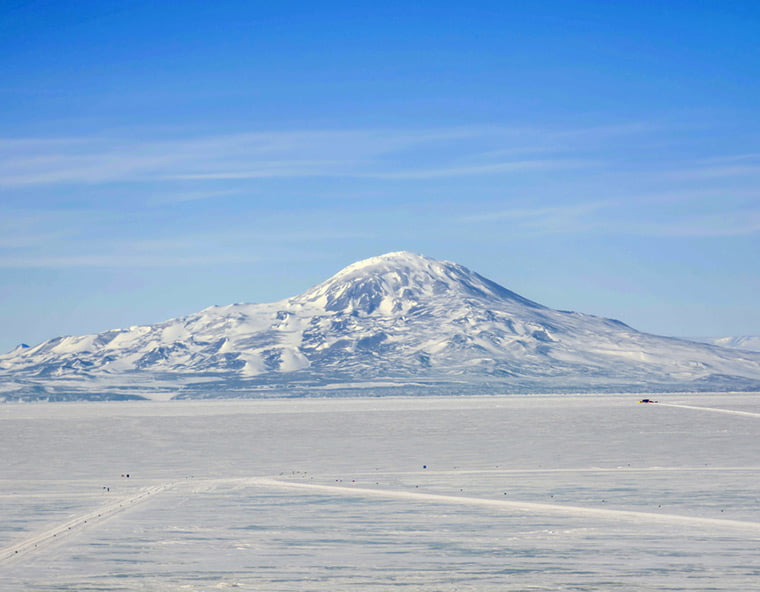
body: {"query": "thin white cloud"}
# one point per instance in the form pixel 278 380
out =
pixel 245 155
pixel 390 154
pixel 73 249
pixel 494 168
pixel 268 170
pixel 236 238
pixel 716 172
pixel 19 240
pixel 725 224
pixel 614 130
pixel 22 229
pixel 640 215
pixel 733 158
pixel 560 216
pixel 122 261
pixel 188 196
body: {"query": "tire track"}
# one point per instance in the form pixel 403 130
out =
pixel 655 469
pixel 79 523
pixel 528 507
pixel 714 409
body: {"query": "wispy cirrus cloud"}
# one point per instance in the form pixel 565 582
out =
pixel 725 224
pixel 318 169
pixel 190 196
pixel 381 154
pixel 491 168
pixel 720 167
pixel 270 170
pixel 752 156
pixel 681 214
pixel 606 192
pixel 178 243
pixel 233 156
pixel 547 216
pixel 37 245
pixel 118 260
pixel 714 171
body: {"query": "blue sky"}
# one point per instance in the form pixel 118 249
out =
pixel 160 157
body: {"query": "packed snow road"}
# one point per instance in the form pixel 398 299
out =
pixel 714 409
pixel 525 507
pixel 56 533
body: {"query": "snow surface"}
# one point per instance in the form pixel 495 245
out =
pixel 748 342
pixel 391 320
pixel 512 493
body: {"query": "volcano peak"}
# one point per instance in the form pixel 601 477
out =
pixel 397 281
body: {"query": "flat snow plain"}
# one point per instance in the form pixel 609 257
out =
pixel 437 494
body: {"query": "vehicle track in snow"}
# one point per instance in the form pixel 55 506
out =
pixel 79 523
pixel 525 507
pixel 500 471
pixel 89 519
pixel 713 409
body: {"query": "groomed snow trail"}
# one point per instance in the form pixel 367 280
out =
pixel 80 522
pixel 529 507
pixel 542 471
pixel 714 409
pixel 86 520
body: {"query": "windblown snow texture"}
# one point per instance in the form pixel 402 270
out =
pixel 399 323
pixel 750 342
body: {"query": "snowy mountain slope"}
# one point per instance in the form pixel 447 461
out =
pixel 397 319
pixel 750 342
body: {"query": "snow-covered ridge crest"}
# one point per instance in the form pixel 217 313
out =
pixel 397 319
pixel 749 342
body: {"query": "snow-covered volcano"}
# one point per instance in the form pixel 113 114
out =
pixel 399 323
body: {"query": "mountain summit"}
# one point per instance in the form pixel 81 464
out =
pixel 395 282
pixel 399 323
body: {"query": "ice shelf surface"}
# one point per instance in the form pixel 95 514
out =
pixel 469 493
